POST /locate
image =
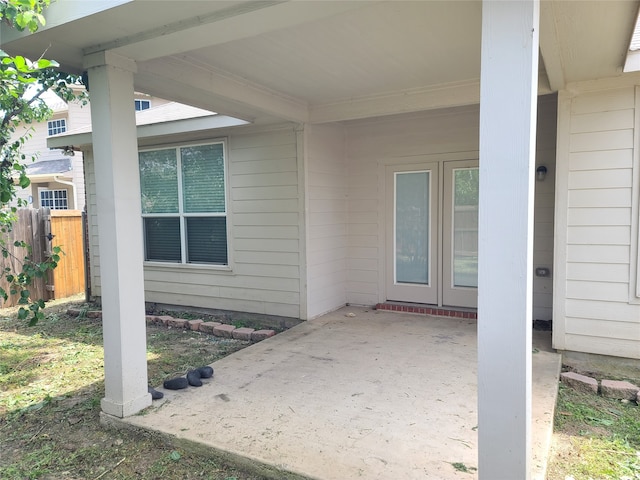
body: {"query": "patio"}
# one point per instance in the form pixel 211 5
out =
pixel 377 395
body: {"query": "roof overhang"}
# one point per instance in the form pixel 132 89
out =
pixel 318 61
pixel 171 129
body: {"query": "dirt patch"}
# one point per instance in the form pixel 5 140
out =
pixel 50 403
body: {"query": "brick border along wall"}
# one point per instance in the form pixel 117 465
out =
pixel 212 328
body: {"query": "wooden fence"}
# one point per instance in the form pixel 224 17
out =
pixel 36 227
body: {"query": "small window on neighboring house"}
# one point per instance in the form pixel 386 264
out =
pixel 184 204
pixel 53 199
pixel 55 127
pixel 142 105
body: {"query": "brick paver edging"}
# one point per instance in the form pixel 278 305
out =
pixel 616 389
pixel 212 328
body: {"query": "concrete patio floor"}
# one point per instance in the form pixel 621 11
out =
pixel 378 395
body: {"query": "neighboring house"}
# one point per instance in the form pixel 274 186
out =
pixel 355 182
pixel 57 176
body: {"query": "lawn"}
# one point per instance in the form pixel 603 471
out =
pixel 51 383
pixel 595 438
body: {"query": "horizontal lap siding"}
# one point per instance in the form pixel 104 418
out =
pixel 326 196
pixel 371 145
pixel 401 139
pixel 92 220
pixel 264 236
pixel 599 170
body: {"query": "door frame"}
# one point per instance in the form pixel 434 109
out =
pixel 413 292
pixel 385 223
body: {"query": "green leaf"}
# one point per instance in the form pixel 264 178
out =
pixel 22 313
pixel 175 456
pixel 24 181
pixel 20 62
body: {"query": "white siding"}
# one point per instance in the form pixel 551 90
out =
pixel 438 136
pixel 371 145
pixel 595 310
pixel 544 209
pixel 263 239
pixel 76 116
pixel 326 194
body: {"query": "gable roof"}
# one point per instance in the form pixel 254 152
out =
pixel 49 167
pixel 167 119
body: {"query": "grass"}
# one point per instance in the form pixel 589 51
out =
pixel 51 383
pixel 595 438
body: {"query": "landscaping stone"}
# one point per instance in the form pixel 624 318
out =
pixel 207 327
pixel 178 323
pixel 580 382
pixel 224 330
pixel 243 333
pixel 619 390
pixel 214 328
pixel 195 324
pixel 260 335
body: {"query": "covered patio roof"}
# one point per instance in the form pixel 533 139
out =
pixel 316 61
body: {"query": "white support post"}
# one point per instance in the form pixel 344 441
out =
pixel 508 99
pixel 120 233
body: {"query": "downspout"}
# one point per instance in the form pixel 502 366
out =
pixel 73 189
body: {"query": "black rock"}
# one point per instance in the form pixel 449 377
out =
pixel 193 376
pixel 177 383
pixel 205 372
pixel 155 395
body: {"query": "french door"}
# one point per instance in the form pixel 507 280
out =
pixel 432 233
pixel 412 204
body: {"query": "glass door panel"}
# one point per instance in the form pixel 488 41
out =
pixel 412 227
pixel 412 211
pixel 465 227
pixel 460 228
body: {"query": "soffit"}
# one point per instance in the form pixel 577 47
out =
pixel 327 61
pixel 384 47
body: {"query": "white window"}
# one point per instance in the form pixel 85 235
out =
pixel 184 204
pixel 55 127
pixel 53 199
pixel 142 105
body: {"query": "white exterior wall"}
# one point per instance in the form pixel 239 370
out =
pixel 264 246
pixel 326 206
pixel 451 134
pixel 435 137
pixel 596 305
pixel 544 209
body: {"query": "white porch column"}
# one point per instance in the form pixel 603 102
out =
pixel 508 98
pixel 120 232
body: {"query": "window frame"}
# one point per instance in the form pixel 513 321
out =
pixel 141 101
pixel 53 191
pixel 182 216
pixel 61 126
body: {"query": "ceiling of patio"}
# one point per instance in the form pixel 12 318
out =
pixel 322 61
